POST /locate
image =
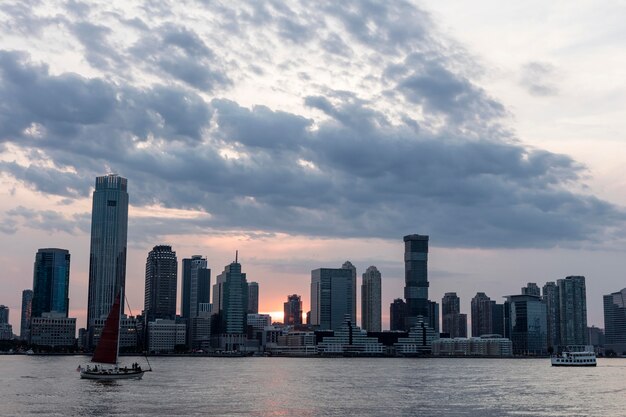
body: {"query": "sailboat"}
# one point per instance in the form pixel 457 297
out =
pixel 107 351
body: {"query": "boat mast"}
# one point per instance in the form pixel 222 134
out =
pixel 119 329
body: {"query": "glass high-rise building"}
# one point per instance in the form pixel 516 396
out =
pixel 553 314
pixel 615 321
pixel 161 284
pixel 4 314
pixel 253 298
pixel 371 300
pixel 107 255
pixel 527 324
pixel 348 265
pixel 27 311
pixel 196 286
pixel 397 314
pixel 293 310
pixel 416 278
pixel 332 297
pixel 230 301
pixel 573 311
pixel 51 282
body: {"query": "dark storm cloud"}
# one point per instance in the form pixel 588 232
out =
pixel 94 39
pixel 539 78
pixel 365 168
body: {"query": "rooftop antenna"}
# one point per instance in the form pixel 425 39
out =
pixel 236 256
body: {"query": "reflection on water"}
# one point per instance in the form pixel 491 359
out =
pixel 50 386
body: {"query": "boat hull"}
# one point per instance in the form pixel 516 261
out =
pixel 109 376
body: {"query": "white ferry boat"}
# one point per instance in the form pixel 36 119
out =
pixel 575 356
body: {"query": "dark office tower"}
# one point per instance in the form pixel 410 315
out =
pixel 481 315
pixel 107 254
pixel 497 318
pixel 453 322
pixel 4 314
pixel 573 311
pixel 27 311
pixel 51 282
pixel 615 322
pixel 397 314
pixel 531 289
pixel 293 310
pixel 527 324
pixel 550 298
pixel 348 265
pixel 332 297
pixel 370 300
pixel 230 301
pixel 196 286
pixel 416 277
pixel 161 284
pixel 253 298
pixel 433 316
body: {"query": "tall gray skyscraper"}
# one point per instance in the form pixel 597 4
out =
pixel 51 282
pixel 332 297
pixel 107 255
pixel 416 278
pixel 348 265
pixel 253 298
pixel 230 300
pixel 371 300
pixel 453 321
pixel 615 321
pixel 196 286
pixel 161 284
pixel 293 310
pixel 27 311
pixel 551 299
pixel 481 315
pixel 573 311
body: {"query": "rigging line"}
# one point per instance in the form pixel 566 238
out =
pixel 145 354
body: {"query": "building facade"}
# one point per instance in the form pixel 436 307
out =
pixel 371 300
pixel 107 253
pixel 453 322
pixel 230 301
pixel 553 317
pixel 161 284
pixel 531 289
pixel 53 330
pixel 528 325
pixel 416 278
pixel 293 310
pixel 196 286
pixel 253 298
pixel 27 311
pixel 348 265
pixel 482 315
pixel 487 345
pixel 51 282
pixel 332 297
pixel 397 314
pixel 615 322
pixel 573 311
pixel 4 314
pixel 165 335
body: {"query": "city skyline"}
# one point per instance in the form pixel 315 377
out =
pixel 311 134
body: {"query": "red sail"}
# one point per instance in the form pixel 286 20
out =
pixel 106 350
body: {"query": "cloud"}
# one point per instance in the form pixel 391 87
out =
pixel 539 79
pixel 398 138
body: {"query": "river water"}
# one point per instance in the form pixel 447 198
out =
pixel 50 386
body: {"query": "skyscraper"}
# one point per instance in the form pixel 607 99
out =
pixel 332 297
pixel 497 318
pixel 397 314
pixel 531 289
pixel 481 315
pixel 51 282
pixel 230 300
pixel 196 286
pixel 573 311
pixel 107 254
pixel 348 265
pixel 293 310
pixel 253 298
pixel 27 311
pixel 453 321
pixel 615 321
pixel 4 314
pixel 550 298
pixel 161 284
pixel 370 300
pixel 527 324
pixel 416 278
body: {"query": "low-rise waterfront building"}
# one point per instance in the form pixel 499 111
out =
pixel 350 339
pixel 486 345
pixel 53 329
pixel 165 335
pixel 419 342
pixel 129 332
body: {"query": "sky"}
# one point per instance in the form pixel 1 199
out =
pixel 305 134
